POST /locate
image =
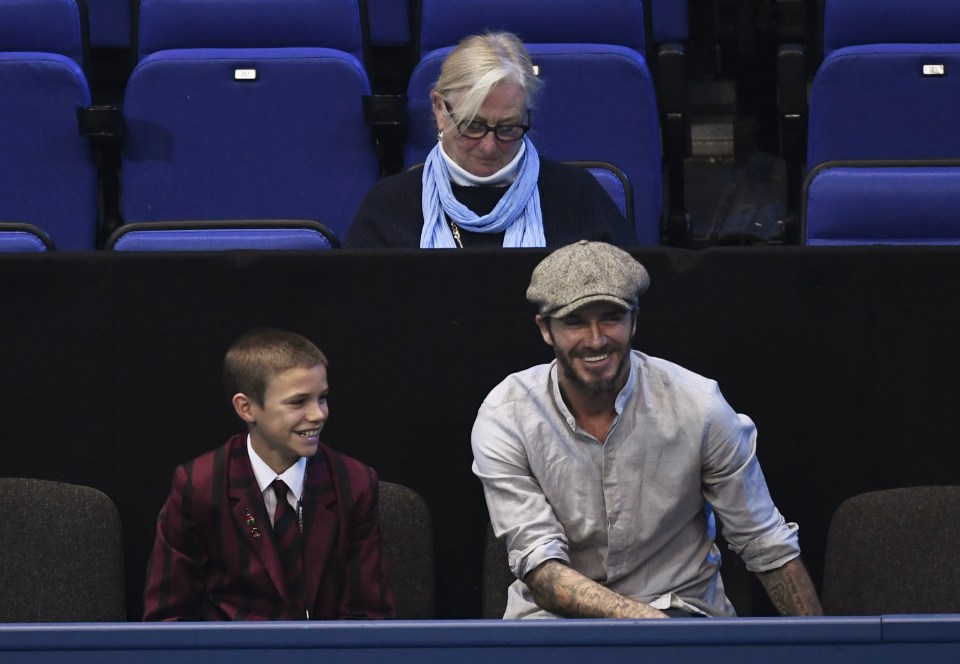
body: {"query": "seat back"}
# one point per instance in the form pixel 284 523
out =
pixel 894 551
pixel 868 202
pixel 247 110
pixel 48 172
pixel 23 238
pixel 227 24
pixel 222 236
pixel 617 22
pixel 408 545
pixel 614 181
pixel 860 22
pixel 878 55
pixel 857 108
pixel 598 102
pixel 61 553
pixel 44 26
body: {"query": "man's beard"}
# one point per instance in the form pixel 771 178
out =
pixel 596 388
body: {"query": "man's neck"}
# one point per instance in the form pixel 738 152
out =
pixel 594 414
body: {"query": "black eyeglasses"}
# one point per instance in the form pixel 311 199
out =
pixel 476 130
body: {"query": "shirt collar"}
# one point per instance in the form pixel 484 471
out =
pixel 292 476
pixel 627 389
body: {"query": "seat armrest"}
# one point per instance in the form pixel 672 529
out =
pixel 674 123
pixel 792 114
pixel 100 122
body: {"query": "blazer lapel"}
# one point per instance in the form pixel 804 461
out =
pixel 250 516
pixel 321 522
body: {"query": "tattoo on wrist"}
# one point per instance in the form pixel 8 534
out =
pixel 786 594
pixel 777 593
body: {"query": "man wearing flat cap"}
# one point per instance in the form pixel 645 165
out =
pixel 604 470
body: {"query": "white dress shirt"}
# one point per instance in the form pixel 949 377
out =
pixel 292 477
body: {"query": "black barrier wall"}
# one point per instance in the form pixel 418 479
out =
pixel 846 359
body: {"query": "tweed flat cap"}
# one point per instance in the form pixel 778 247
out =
pixel 585 272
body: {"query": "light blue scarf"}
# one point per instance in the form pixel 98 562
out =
pixel 518 212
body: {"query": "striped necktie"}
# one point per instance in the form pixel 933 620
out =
pixel 286 528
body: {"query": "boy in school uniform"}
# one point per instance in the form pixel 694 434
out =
pixel 273 525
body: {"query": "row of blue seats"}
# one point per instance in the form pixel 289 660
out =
pixel 259 234
pixel 876 128
pixel 112 22
pixel 241 109
pixel 387 22
pixel 235 111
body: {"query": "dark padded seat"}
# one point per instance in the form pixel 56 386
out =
pixel 894 551
pixel 408 537
pixel 61 553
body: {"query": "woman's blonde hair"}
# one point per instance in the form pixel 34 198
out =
pixel 478 64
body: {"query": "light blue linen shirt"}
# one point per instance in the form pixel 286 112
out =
pixel 632 513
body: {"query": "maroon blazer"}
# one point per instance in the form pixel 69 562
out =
pixel 215 558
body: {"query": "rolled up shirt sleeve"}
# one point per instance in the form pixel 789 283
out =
pixel 736 488
pixel 519 511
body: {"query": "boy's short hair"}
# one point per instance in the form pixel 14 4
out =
pixel 263 353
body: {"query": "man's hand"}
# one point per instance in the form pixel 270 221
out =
pixel 565 592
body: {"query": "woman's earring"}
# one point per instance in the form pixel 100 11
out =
pixel 439 136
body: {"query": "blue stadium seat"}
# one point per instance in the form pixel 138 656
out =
pixel 48 172
pixel 864 22
pixel 243 109
pixel 598 103
pixel 23 238
pixel 445 22
pixel 614 181
pixel 898 202
pixel 881 102
pixel 222 236
pixel 883 98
